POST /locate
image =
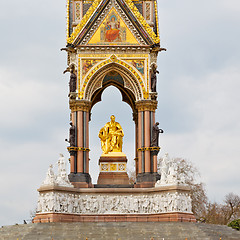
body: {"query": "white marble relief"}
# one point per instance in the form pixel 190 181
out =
pixel 106 203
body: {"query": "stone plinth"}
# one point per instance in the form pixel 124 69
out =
pixel 113 169
pixel 69 204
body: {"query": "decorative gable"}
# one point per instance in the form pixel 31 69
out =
pixel 130 26
pixel 113 31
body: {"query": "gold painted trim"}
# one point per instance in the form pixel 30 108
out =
pixel 137 55
pixel 142 20
pixel 79 75
pixel 78 149
pixel 114 59
pixel 146 105
pixel 84 20
pixel 79 105
pixel 148 149
pixel 156 17
pixel 94 6
pixel 68 16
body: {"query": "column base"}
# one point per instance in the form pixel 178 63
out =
pixel 146 180
pixel 80 180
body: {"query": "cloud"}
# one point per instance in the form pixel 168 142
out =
pixel 213 143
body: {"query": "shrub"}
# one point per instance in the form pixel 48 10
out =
pixel 235 224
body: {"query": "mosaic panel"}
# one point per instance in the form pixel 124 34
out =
pixel 87 64
pixel 138 64
pixel 113 31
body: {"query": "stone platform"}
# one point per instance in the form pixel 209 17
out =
pixel 68 204
pixel 119 231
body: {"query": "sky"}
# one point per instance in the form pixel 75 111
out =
pixel 198 93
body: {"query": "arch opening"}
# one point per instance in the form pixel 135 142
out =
pixel 113 78
pixel 111 104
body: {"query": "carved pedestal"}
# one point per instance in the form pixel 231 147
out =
pixel 113 168
pixel 69 204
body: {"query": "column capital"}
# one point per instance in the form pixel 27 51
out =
pixel 80 105
pixel 146 105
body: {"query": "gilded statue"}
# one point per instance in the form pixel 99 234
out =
pixel 111 136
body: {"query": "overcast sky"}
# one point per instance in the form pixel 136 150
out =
pixel 198 87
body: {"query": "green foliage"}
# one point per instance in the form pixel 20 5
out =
pixel 235 224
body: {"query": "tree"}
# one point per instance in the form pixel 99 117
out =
pixel 223 213
pixel 232 207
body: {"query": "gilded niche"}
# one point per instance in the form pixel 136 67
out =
pixel 111 136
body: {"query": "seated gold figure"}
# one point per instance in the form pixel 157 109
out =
pixel 111 136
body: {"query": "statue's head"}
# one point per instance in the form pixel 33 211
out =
pixel 72 68
pixel 113 118
pixel 154 66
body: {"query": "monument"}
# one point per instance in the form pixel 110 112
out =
pixel 113 43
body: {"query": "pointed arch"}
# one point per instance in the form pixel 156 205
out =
pixel 132 87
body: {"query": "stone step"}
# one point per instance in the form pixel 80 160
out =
pixel 118 231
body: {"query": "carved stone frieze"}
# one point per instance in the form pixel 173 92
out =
pixel 114 203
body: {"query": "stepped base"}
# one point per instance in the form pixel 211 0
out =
pixel 165 217
pixel 119 230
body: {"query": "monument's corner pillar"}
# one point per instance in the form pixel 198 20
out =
pixel 79 154
pixel 146 166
